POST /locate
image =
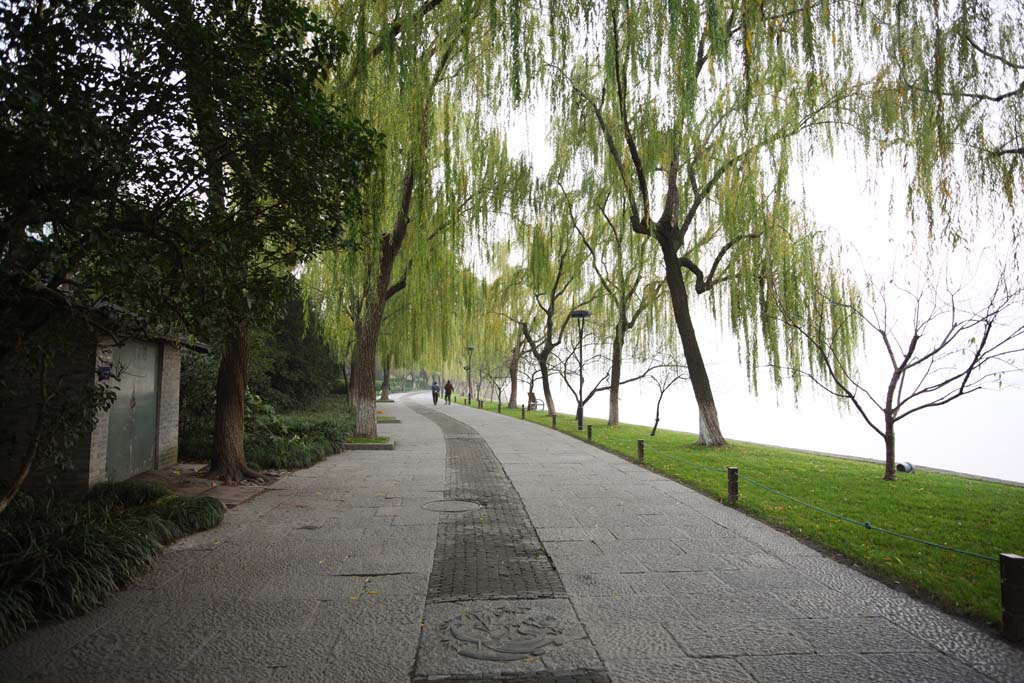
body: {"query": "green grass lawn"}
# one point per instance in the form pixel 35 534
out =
pixel 367 439
pixel 982 517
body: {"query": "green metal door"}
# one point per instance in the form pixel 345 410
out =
pixel 131 441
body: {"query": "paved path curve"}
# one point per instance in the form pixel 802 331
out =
pixel 586 568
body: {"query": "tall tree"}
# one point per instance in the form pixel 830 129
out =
pixel 281 167
pixel 176 159
pixel 700 108
pixel 420 71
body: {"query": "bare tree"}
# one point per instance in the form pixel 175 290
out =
pixel 667 374
pixel 568 367
pixel 497 378
pixel 943 348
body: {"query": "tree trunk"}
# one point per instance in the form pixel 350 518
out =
pixel 545 383
pixel 657 414
pixel 362 389
pixel 385 385
pixel 228 462
pixel 890 448
pixel 710 431
pixel 378 289
pixel 513 376
pixel 616 376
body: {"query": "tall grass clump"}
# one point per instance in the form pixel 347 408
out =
pixel 63 557
pixel 128 493
pixel 191 515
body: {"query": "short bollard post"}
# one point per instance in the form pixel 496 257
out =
pixel 590 432
pixel 523 409
pixel 554 422
pixel 1011 572
pixel 640 451
pixel 734 485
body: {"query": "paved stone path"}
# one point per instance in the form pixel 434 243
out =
pixel 587 569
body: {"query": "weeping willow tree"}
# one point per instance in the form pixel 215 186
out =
pixel 696 112
pixel 953 98
pixel 627 288
pixel 421 73
pixel 551 279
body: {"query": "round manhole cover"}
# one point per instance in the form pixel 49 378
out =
pixel 451 505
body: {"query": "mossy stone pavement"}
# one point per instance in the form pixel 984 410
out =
pixel 536 558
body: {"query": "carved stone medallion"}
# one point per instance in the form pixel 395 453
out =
pixel 502 635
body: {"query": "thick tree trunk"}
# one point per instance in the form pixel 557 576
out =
pixel 362 389
pixel 228 462
pixel 710 431
pixel 385 385
pixel 890 449
pixel 616 375
pixel 513 377
pixel 378 289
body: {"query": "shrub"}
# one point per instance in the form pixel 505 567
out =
pixel 128 493
pixel 299 439
pixel 59 558
pixel 191 515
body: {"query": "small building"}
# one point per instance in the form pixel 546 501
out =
pixel 138 433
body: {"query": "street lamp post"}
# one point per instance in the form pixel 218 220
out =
pixel 580 315
pixel 469 371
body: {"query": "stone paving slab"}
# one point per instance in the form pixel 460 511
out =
pixel 739 601
pixel 325 576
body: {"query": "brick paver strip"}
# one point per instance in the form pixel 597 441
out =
pixel 493 552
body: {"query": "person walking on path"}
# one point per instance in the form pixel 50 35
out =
pixel 435 391
pixel 448 389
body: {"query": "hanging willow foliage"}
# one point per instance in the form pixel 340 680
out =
pixel 692 116
pixel 951 100
pixel 418 72
pixel 695 113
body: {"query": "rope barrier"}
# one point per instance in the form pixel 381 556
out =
pixel 869 526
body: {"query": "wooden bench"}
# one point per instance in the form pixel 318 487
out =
pixel 534 403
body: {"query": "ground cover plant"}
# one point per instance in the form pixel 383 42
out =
pixel 292 439
pixel 969 514
pixel 299 438
pixel 62 557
